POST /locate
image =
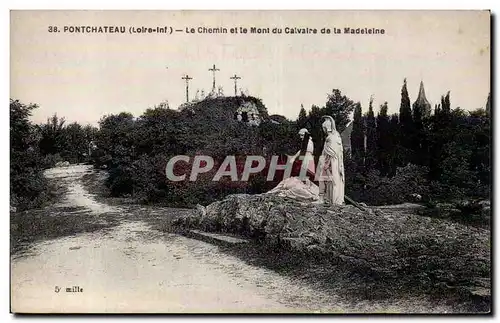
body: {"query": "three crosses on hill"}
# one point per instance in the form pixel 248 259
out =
pixel 213 69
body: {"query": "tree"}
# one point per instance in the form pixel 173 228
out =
pixel 358 136
pixel 340 108
pixel 302 119
pixel 439 133
pixel 437 109
pixel 90 132
pixel 384 143
pixel 75 142
pixel 158 132
pixel 116 145
pixel 53 141
pixel 371 137
pixel 64 142
pixel 406 125
pixel 21 130
pixel 394 156
pixel 116 135
pixel 419 148
pixel 316 131
pixel 27 183
pixel 445 103
pixel 480 127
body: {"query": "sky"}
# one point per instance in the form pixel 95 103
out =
pixel 84 76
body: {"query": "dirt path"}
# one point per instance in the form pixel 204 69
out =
pixel 132 267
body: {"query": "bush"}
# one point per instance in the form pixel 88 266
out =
pixel 149 179
pixel 136 150
pixel 373 189
pixel 28 187
pixel 450 159
pixel 120 181
pixel 51 160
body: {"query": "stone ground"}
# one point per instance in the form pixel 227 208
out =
pixel 379 252
pixel 124 258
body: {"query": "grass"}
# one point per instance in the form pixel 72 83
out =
pixel 52 222
pixel 325 273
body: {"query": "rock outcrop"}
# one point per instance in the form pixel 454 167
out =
pixel 386 243
pixel 62 164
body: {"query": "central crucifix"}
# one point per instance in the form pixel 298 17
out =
pixel 213 70
pixel 235 78
pixel 187 78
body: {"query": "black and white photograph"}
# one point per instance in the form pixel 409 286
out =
pixel 250 162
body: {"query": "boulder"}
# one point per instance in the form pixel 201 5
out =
pixel 392 243
pixel 485 203
pixel 62 164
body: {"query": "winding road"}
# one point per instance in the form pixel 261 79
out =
pixel 131 266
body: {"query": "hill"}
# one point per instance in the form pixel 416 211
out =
pixel 225 107
pixel 136 150
pixel 240 125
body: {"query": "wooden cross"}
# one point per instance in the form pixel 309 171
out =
pixel 187 78
pixel 235 78
pixel 213 70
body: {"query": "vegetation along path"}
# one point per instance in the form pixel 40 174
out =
pixel 85 255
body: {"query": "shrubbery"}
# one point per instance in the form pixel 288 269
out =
pixel 61 142
pixel 136 150
pixel 452 160
pixel 373 189
pixel 28 187
pixel 442 156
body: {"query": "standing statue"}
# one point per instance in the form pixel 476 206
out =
pixel 331 166
pixel 306 156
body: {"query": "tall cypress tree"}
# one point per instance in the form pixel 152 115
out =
pixel 302 119
pixel 383 141
pixel 444 120
pixel 406 125
pixel 437 109
pixel 317 136
pixel 418 139
pixel 371 137
pixel 394 144
pixel 358 136
pixel 445 103
pixel 440 133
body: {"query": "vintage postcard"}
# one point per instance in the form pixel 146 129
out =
pixel 334 162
